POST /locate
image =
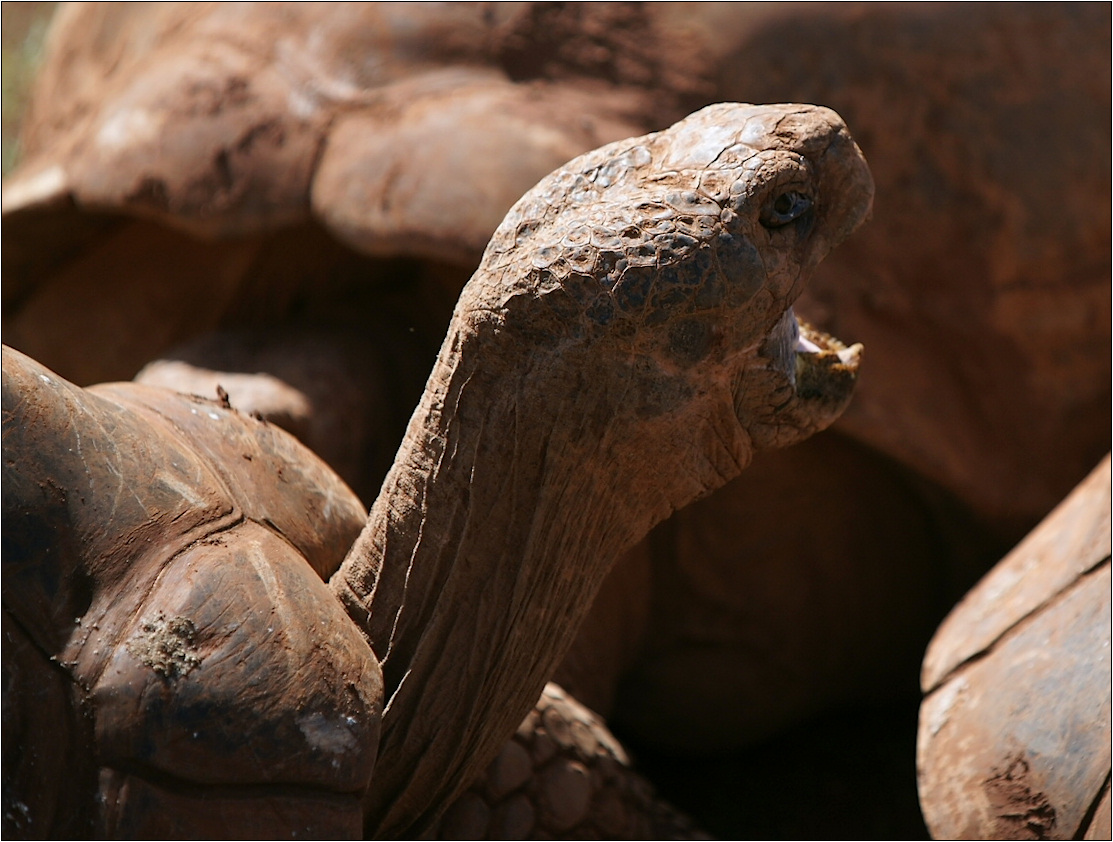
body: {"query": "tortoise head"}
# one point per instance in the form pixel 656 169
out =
pixel 677 257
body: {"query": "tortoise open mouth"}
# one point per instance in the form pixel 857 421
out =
pixel 826 368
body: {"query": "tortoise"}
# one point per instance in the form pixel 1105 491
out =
pixel 183 666
pixel 994 326
pixel 1015 726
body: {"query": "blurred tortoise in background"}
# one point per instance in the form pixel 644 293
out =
pixel 191 656
pixel 288 176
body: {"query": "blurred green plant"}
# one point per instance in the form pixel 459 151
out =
pixel 21 49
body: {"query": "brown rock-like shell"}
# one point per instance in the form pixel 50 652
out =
pixel 1014 739
pixel 169 635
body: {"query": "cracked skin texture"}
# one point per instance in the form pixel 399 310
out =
pixel 496 464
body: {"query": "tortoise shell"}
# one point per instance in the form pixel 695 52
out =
pixel 1014 737
pixel 164 566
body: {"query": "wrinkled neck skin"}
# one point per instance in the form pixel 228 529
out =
pixel 627 312
pixel 520 480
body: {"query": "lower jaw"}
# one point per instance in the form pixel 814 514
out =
pixel 803 384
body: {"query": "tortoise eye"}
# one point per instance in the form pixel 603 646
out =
pixel 785 208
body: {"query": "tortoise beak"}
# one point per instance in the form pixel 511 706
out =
pixel 826 369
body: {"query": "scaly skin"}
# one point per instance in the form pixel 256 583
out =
pixel 624 347
pixel 562 775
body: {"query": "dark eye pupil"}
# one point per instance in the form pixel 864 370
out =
pixel 785 208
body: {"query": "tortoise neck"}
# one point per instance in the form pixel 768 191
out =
pixel 526 470
pixel 481 555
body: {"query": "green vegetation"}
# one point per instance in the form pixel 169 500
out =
pixel 25 26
